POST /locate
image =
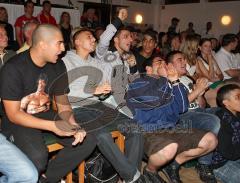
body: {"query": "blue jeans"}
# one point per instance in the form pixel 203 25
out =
pixel 14 165
pixel 229 173
pixel 126 165
pixel 202 119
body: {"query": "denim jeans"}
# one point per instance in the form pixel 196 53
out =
pixel 229 173
pixel 126 165
pixel 202 119
pixel 14 165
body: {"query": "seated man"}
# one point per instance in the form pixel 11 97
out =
pixel 156 104
pixel 27 115
pixel 85 83
pixel 28 29
pixel 5 55
pixel 14 165
pixel 196 116
pixel 226 159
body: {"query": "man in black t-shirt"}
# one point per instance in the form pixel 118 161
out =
pixel 28 82
pixel 149 44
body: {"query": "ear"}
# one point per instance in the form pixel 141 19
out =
pixel 76 42
pixel 155 46
pixel 225 102
pixel 43 45
pixel 116 39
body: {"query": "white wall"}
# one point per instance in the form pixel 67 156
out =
pixel 200 13
pixel 133 8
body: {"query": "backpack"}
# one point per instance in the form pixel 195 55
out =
pixel 99 170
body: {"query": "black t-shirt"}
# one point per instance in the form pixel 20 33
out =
pixel 140 60
pixel 20 78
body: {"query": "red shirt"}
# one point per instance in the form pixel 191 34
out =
pixel 21 21
pixel 46 20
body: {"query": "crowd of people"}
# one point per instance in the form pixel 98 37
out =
pixel 175 96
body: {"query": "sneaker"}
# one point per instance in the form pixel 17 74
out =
pixel 143 179
pixel 172 173
pixel 206 173
pixel 153 176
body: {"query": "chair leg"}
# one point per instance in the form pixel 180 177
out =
pixel 81 169
pixel 69 178
pixel 120 141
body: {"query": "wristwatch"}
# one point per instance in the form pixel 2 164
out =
pixel 176 82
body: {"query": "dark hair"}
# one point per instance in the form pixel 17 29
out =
pixel 122 28
pixel 203 40
pixel 228 38
pixel 46 2
pixel 84 29
pixel 172 36
pixel 223 91
pixel 169 57
pixel 175 19
pixel 27 2
pixel 152 34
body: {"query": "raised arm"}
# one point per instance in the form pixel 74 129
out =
pixel 108 34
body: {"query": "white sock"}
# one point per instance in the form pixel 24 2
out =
pixel 136 176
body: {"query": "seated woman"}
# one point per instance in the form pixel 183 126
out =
pixel 207 64
pixel 189 48
pixel 226 159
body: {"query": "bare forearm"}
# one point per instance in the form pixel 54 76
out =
pixel 233 72
pixel 193 95
pixel 23 119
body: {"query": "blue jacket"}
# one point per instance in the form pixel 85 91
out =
pixel 156 104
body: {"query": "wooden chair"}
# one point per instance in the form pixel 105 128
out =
pixel 116 135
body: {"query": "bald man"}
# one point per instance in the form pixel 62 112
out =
pixel 38 76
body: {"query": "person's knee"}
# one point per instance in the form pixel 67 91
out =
pixel 208 142
pixel 27 174
pixel 30 176
pixel 40 161
pixel 104 137
pixel 217 125
pixel 169 151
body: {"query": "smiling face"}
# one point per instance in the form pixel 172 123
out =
pixel 206 47
pixel 123 41
pixel 179 63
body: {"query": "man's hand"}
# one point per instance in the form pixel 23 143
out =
pixel 63 128
pixel 79 137
pixel 201 85
pixel 172 73
pixel 123 14
pixel 131 60
pixel 103 89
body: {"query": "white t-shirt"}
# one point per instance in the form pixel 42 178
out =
pixel 188 83
pixel 226 61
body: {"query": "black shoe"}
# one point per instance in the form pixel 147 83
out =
pixel 143 179
pixel 172 173
pixel 206 173
pixel 154 177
